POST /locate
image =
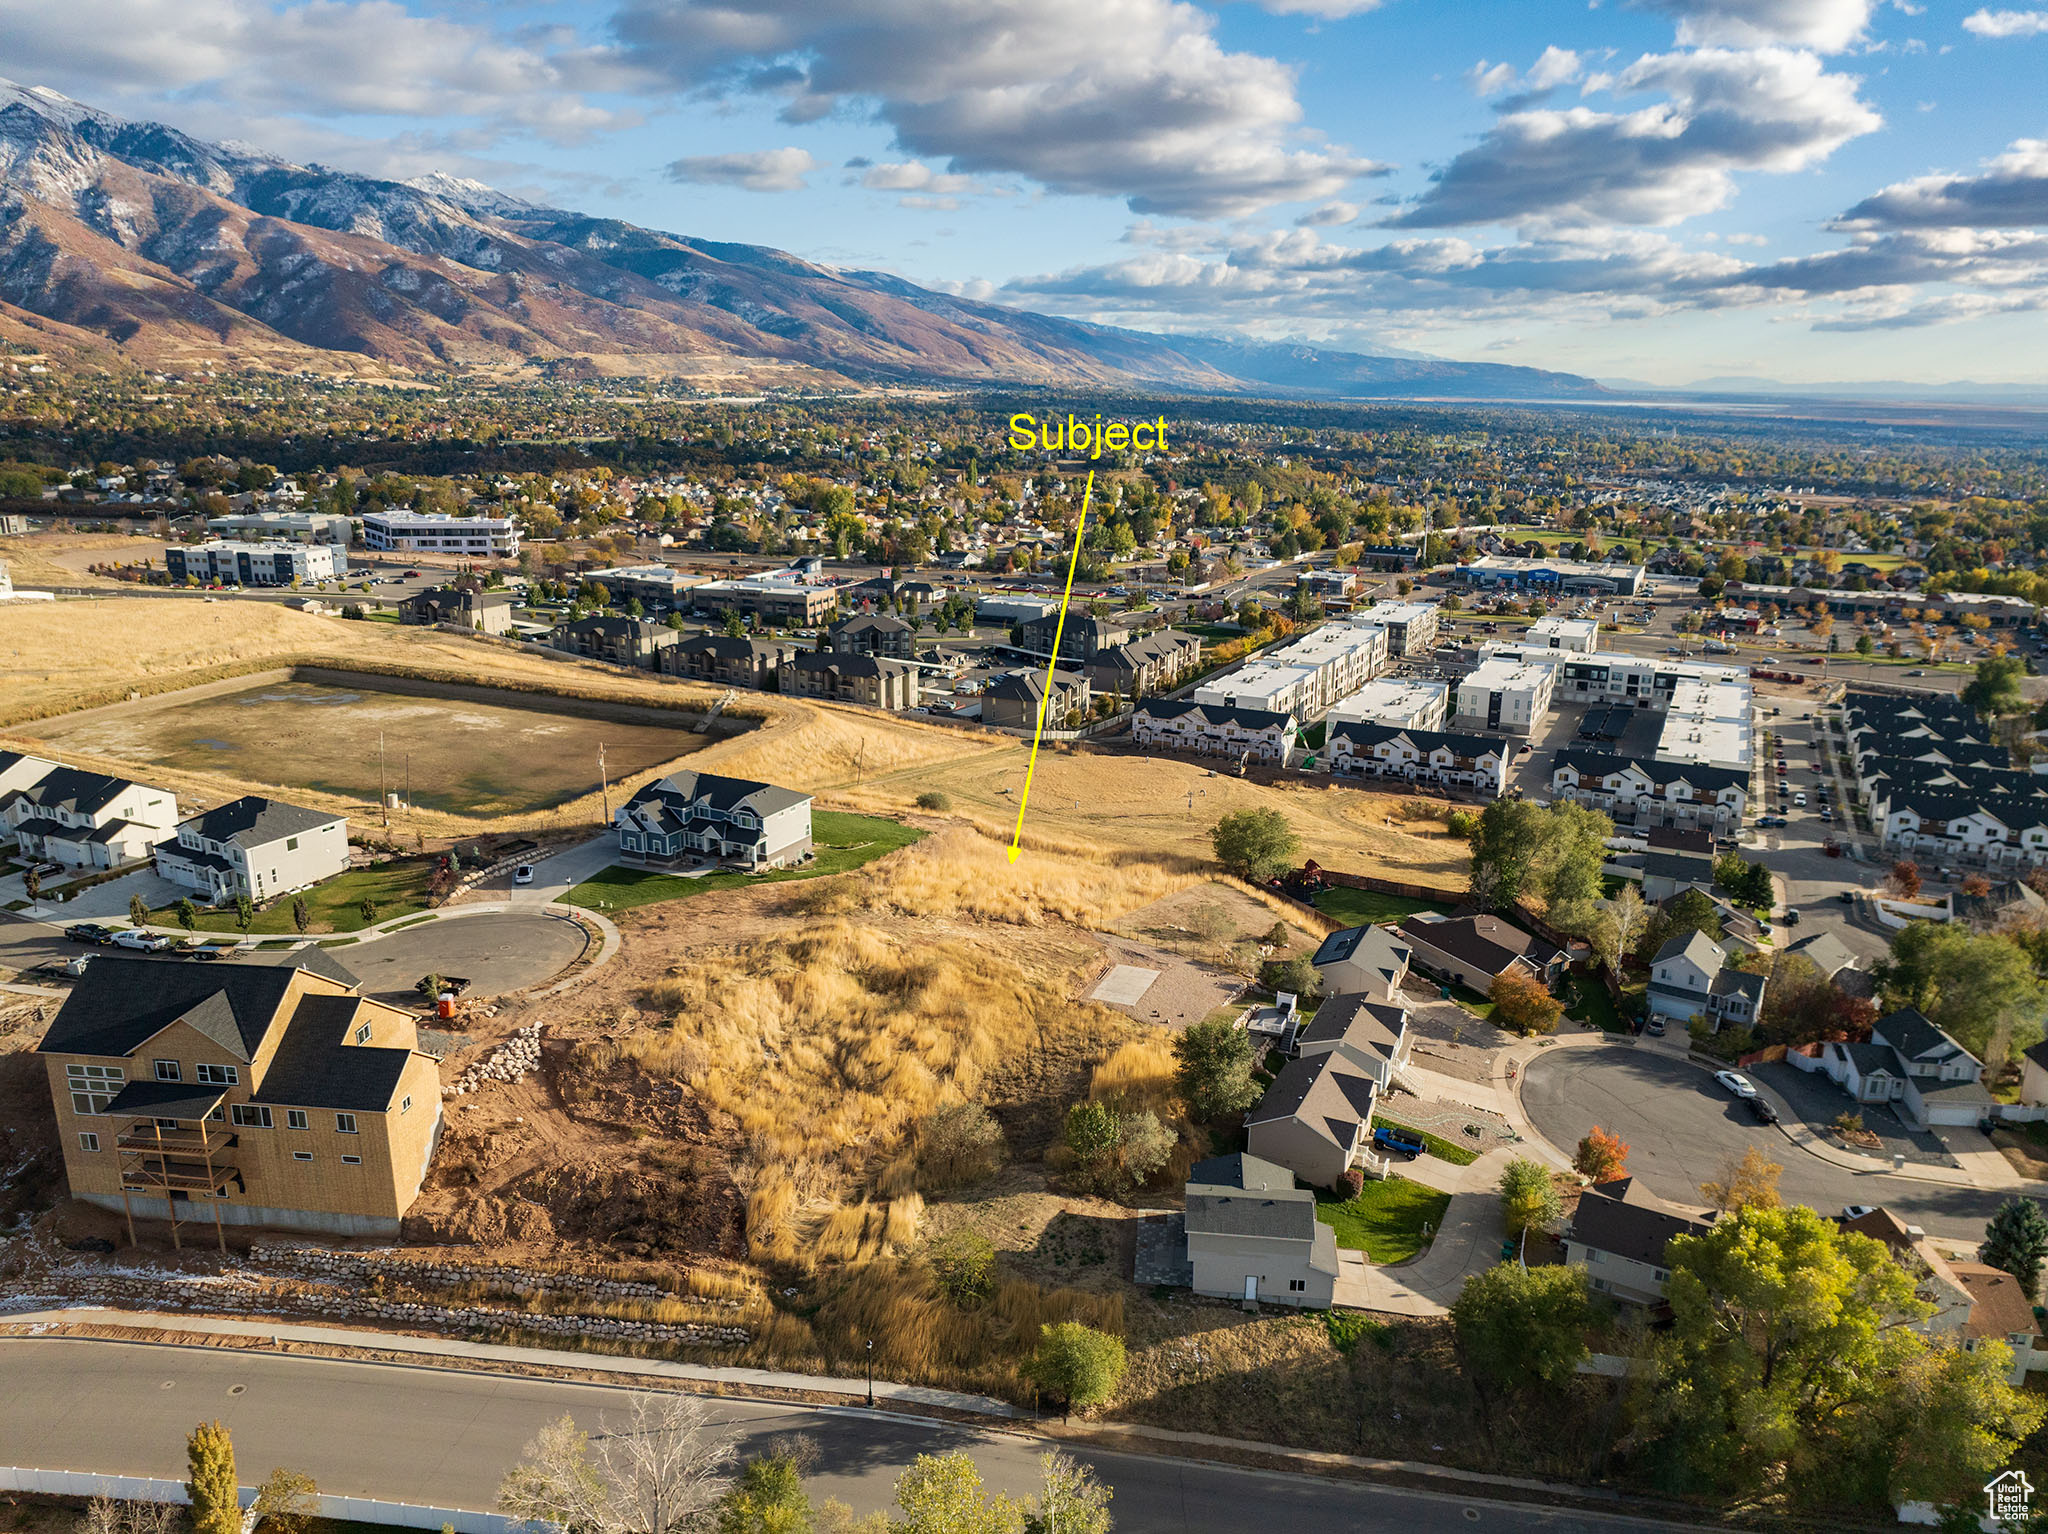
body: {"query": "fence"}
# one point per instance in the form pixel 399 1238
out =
pixel 137 1488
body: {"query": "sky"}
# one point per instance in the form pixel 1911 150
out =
pixel 1668 191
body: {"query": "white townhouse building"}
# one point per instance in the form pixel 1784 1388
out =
pixel 1982 830
pixel 422 532
pixel 1408 701
pixel 1443 760
pixel 1649 792
pixel 256 564
pixel 88 819
pixel 1214 729
pixel 697 815
pixel 254 846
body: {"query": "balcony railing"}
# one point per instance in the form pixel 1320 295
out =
pixel 148 1139
pixel 169 1172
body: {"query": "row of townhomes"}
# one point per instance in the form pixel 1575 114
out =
pixel 1435 758
pixel 1642 791
pixel 693 816
pixel 1937 788
pixel 82 819
pixel 1214 729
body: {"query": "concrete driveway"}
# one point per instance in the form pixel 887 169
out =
pixel 553 876
pixel 107 900
pixel 1682 1128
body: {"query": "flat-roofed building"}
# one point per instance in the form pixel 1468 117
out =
pixel 422 532
pixel 1712 723
pixel 1506 694
pixel 1580 635
pixel 255 564
pixel 305 526
pixel 782 599
pixel 655 587
pixel 1560 574
pixel 1406 701
pixel 1411 626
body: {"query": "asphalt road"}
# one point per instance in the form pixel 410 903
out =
pixel 500 952
pixel 1682 1128
pixel 444 1438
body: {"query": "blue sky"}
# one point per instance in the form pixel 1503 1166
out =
pixel 1666 190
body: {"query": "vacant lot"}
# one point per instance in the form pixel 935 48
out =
pixel 844 842
pixel 469 758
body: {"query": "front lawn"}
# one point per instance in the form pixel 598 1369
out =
pixel 842 843
pixel 1435 1145
pixel 1386 1221
pixel 396 887
pixel 1364 908
pixel 1591 1004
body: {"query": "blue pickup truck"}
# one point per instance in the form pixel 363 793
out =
pixel 1404 1141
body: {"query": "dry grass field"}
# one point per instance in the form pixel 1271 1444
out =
pixel 59 559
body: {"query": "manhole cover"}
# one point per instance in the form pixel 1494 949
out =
pixel 167 1384
pixel 235 1390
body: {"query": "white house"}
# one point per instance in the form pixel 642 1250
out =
pixel 1477 762
pixel 1253 1235
pixel 1213 729
pixel 694 814
pixel 1691 977
pixel 1506 694
pixel 1649 793
pixel 88 819
pixel 257 847
pixel 1911 1064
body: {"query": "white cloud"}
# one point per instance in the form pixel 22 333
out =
pixel 1554 67
pixel 1124 98
pixel 1328 214
pixel 319 58
pixel 1765 109
pixel 759 170
pixel 1328 10
pixel 2011 193
pixel 1828 25
pixel 2000 24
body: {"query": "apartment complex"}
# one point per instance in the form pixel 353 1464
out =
pixel 622 641
pixel 227 563
pixel 723 659
pixel 1506 693
pixel 1938 789
pixel 876 634
pixel 1214 729
pixel 1306 676
pixel 1581 636
pixel 464 604
pixel 1156 663
pixel 1080 636
pixel 421 532
pixel 254 846
pixel 1652 793
pixel 890 684
pixel 1014 700
pixel 1411 626
pixel 241 1094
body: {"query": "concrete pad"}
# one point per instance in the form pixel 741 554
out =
pixel 1122 986
pixel 111 898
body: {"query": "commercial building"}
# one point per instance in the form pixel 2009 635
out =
pixel 657 588
pixel 732 820
pixel 1505 693
pixel 1578 635
pixel 1408 702
pixel 422 532
pixel 306 526
pixel 1490 570
pixel 779 599
pixel 254 846
pixel 1411 626
pixel 255 564
pixel 241 1094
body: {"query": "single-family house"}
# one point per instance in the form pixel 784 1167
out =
pixel 1620 1234
pixel 1691 977
pixel 1910 1063
pixel 1315 1118
pixel 254 846
pixel 1474 951
pixel 2034 1076
pixel 1935 1279
pixel 1371 1034
pixel 1253 1235
pixel 1363 961
pixel 696 814
pixel 89 819
pixel 2001 1311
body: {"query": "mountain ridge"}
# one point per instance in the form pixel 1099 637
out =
pixel 138 242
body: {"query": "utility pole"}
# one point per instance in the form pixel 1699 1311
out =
pixel 604 788
pixel 383 794
pixel 408 780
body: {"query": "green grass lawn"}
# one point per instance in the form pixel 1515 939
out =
pixel 1364 907
pixel 1386 1220
pixel 1590 1003
pixel 843 843
pixel 336 906
pixel 1435 1145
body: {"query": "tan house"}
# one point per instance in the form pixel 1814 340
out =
pixel 241 1094
pixel 465 604
pixel 889 684
pixel 729 661
pixel 1253 1235
pixel 1973 1302
pixel 1372 1035
pixel 1315 1118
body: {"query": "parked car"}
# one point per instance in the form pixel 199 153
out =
pixel 1916 673
pixel 1791 918
pixel 1772 822
pixel 1654 1027
pixel 1799 801
pixel 1847 897
pixel 142 942
pixel 88 932
pixel 523 874
pixel 1736 1083
pixel 1856 1211
pixel 1760 1110
pixel 1404 1141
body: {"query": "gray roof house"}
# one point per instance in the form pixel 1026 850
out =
pixel 1370 1034
pixel 734 820
pixel 1366 961
pixel 1315 1118
pixel 1691 977
pixel 256 847
pixel 1620 1233
pixel 1253 1235
pixel 1908 1062
pixel 1475 950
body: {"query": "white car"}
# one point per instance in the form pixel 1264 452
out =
pixel 523 874
pixel 1736 1083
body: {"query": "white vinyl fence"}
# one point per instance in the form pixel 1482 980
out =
pixel 137 1488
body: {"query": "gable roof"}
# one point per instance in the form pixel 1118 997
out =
pixel 1999 1307
pixel 1828 953
pixel 1487 943
pixel 1373 1027
pixel 1369 733
pixel 315 1065
pixel 1915 1038
pixel 680 791
pixel 75 790
pixel 121 1003
pixel 1326 1094
pixel 1620 1218
pixel 1374 947
pixel 1695 946
pixel 253 821
pixel 1254 719
pixel 1601 764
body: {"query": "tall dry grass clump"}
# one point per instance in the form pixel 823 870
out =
pixel 1140 1075
pixel 824 1048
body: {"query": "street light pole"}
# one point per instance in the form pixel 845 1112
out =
pixel 871 1371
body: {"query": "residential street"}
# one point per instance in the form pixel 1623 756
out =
pixel 445 1438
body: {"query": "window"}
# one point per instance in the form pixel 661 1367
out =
pixel 87 1140
pixel 351 1160
pixel 363 1034
pixel 302 1155
pixel 405 1105
pixel 219 1075
pixel 252 1115
pixel 344 1123
pixel 1660 1274
pixel 1297 1286
pixel 1592 1256
pixel 93 1086
pixel 295 1118
pixel 291 844
pixel 167 1070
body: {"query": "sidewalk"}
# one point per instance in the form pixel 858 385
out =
pixel 547 1358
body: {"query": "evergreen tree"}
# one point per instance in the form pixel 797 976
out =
pixel 2016 1240
pixel 210 1458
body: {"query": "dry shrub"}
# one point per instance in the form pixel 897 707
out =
pixel 1140 1075
pixel 958 872
pixel 958 1144
pixel 826 1046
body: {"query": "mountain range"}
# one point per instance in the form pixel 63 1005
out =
pixel 133 242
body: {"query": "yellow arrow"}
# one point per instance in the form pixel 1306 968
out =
pixel 1045 702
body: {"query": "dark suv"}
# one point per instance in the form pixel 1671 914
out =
pixel 88 932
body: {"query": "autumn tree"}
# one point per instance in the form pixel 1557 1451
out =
pixel 211 1485
pixel 1749 1181
pixel 1522 1003
pixel 1904 879
pixel 1602 1157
